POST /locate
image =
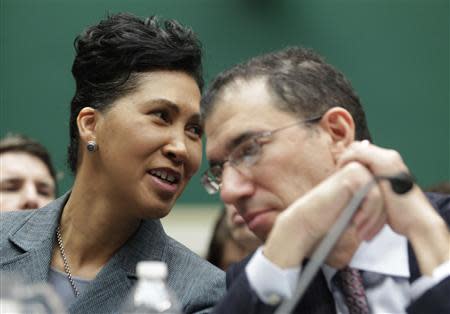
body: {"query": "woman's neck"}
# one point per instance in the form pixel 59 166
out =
pixel 93 228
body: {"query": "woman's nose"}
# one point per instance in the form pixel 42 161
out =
pixel 176 150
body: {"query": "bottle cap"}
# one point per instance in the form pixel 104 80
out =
pixel 151 269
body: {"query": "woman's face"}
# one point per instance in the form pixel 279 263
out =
pixel 149 143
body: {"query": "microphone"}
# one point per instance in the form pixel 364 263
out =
pixel 401 183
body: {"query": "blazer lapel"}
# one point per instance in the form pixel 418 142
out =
pixel 109 290
pixel 34 240
pixel 317 299
pixel 31 266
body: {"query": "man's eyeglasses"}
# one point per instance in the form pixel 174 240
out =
pixel 243 156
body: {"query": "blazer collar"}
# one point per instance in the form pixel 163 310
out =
pixel 39 227
pixel 37 231
pixel 113 283
pixel 34 236
pixel 148 243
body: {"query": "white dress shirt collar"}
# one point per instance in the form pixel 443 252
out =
pixel 387 254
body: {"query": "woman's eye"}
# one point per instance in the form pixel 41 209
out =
pixel 162 114
pixel 197 130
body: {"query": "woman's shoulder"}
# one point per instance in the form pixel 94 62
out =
pixel 11 223
pixel 13 220
pixel 197 282
pixel 184 256
pixel 29 225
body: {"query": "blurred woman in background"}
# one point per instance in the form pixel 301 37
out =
pixel 231 240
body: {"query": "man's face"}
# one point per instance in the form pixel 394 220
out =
pixel 292 161
pixel 25 182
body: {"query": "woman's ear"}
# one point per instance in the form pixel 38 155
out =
pixel 87 121
pixel 339 124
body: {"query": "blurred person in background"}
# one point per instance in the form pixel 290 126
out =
pixel 27 176
pixel 441 187
pixel 135 142
pixel 231 240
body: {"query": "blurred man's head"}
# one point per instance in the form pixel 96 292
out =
pixel 27 177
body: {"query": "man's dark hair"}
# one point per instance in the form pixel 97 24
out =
pixel 22 144
pixel 111 55
pixel 304 83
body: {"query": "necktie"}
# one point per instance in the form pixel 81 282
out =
pixel 350 282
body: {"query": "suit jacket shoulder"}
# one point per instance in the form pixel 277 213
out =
pixel 434 300
pixel 27 239
pixel 240 297
pixel 10 222
pixel 199 284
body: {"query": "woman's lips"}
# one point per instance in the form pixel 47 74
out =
pixel 163 185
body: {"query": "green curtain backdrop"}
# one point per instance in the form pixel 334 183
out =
pixel 396 53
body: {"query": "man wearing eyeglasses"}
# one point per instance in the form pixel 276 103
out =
pixel 288 145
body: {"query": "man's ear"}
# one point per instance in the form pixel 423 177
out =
pixel 87 121
pixel 339 124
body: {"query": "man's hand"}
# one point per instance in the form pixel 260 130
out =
pixel 408 214
pixel 300 227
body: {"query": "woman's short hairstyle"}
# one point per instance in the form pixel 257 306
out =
pixel 111 55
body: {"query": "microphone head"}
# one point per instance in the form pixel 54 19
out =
pixel 401 183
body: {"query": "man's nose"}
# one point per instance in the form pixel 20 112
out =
pixel 235 186
pixel 30 197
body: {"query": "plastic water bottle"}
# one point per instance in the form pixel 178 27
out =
pixel 152 295
pixel 17 297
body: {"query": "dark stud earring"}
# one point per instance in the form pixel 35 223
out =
pixel 91 146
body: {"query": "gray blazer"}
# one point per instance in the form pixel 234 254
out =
pixel 28 237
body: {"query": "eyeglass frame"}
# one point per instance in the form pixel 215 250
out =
pixel 211 182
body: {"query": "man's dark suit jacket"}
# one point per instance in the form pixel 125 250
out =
pixel 240 298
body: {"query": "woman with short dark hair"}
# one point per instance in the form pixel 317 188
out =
pixel 135 142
